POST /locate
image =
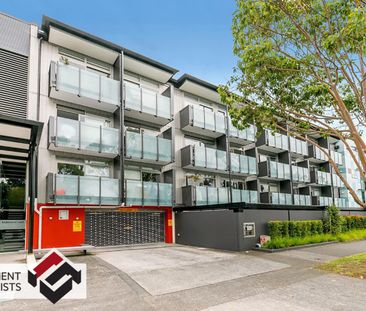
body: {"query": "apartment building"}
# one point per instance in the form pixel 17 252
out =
pixel 124 142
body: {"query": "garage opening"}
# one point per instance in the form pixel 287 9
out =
pixel 112 228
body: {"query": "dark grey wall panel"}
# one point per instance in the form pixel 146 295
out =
pixel 224 229
pixel 260 218
pixel 13 84
pixel 213 229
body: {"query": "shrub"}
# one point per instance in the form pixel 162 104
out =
pixel 299 228
pixel 333 220
pixel 353 222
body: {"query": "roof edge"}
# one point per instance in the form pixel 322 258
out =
pixel 48 21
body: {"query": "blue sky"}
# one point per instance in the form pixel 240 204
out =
pixel 192 36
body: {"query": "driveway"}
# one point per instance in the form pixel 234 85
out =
pixel 190 278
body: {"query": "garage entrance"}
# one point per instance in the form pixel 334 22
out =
pixel 111 227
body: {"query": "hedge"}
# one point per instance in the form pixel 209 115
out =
pixel 298 228
pixel 353 222
pixel 303 228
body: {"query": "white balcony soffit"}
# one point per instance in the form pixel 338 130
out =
pixel 81 45
pixel 146 70
pixel 201 91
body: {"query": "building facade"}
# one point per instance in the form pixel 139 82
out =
pixel 124 142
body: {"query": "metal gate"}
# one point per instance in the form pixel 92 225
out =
pixel 109 228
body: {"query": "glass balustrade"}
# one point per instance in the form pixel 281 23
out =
pixel 208 119
pixel 277 140
pixel 84 136
pixel 85 83
pixel 281 198
pixel 86 190
pixel 325 201
pixel 341 202
pixel 209 158
pixel 147 101
pixel 211 195
pixel 247 133
pixel 148 147
pixel 300 174
pixel 148 193
pixel 337 157
pixel 319 154
pixel 279 170
pixel 298 146
pixel 301 199
pixel 337 182
pixel 243 164
pixel 323 178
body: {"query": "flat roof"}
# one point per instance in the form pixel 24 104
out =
pixel 187 77
pixel 48 21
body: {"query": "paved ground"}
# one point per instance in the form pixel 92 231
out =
pixel 187 278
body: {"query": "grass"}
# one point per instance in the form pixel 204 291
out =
pixel 354 266
pixel 318 238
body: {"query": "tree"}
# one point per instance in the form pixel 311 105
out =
pixel 302 63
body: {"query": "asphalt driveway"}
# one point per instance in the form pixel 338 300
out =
pixel 189 278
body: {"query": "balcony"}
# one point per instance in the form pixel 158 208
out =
pixel 320 178
pixel 298 147
pixel 147 105
pixel 341 202
pixel 141 147
pixel 82 87
pixel 243 164
pixel 88 190
pixel 337 182
pixel 241 137
pixel 243 195
pixel 143 193
pixel 202 121
pixel 275 143
pixel 71 136
pixel 204 159
pixel 273 170
pixel 300 174
pixel 316 155
pixel 276 198
pixel 337 157
pixel 301 199
pixel 324 201
pixel 203 195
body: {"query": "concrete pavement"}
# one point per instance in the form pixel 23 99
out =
pixel 188 278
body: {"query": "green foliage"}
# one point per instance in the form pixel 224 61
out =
pixel 300 228
pixel 299 63
pixel 283 242
pixel 353 222
pixel 333 222
pixel 289 53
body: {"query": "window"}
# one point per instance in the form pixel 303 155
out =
pixel 99 169
pixel 88 63
pixel 70 169
pixel 249 229
pixel 152 177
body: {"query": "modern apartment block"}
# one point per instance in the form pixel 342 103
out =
pixel 124 142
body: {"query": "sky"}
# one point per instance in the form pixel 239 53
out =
pixel 193 36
